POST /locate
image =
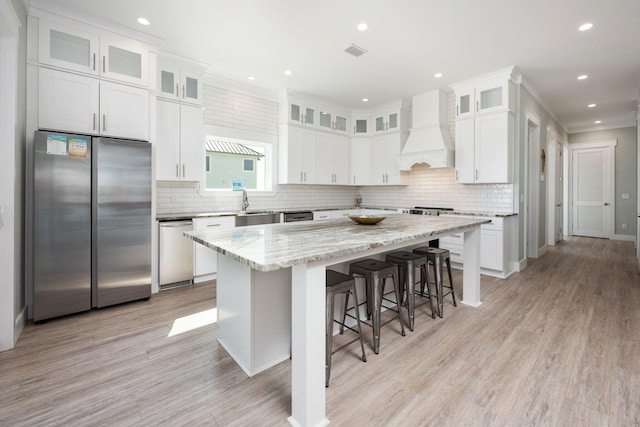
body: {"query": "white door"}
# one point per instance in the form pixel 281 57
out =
pixel 558 193
pixel 591 198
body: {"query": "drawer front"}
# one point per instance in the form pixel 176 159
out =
pixel 456 251
pixel 495 224
pixel 454 239
pixel 217 223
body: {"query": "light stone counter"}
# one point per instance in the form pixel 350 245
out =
pixel 271 297
pixel 275 246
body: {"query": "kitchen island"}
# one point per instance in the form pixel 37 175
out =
pixel 271 289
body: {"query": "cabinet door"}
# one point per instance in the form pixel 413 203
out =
pixel 465 157
pixel 465 103
pixel 491 255
pixel 301 114
pixel 205 260
pixel 191 87
pixel 380 123
pixel 124 111
pixel 124 60
pixel 492 148
pixel 360 126
pixel 492 96
pixel 301 148
pixel 341 151
pixel 168 82
pixel 325 120
pixel 191 143
pixel 68 102
pixel 393 146
pixel 360 161
pixel 167 144
pixel 67 47
pixel 378 160
pixel 341 123
pixel 324 158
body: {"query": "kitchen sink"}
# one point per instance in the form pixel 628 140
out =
pixel 256 218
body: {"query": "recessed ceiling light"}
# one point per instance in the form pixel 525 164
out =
pixel 363 26
pixel 586 26
pixel 251 77
pixel 598 122
pixel 287 72
pixel 143 21
pixel 591 105
pixel 582 77
pixel 365 99
pixel 437 75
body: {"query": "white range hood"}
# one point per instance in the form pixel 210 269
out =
pixel 429 141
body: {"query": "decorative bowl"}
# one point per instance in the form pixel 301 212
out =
pixel 367 219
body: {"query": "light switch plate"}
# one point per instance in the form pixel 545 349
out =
pixel 625 196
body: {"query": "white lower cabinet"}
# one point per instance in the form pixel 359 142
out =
pixel 496 251
pixel 73 103
pixel 180 142
pixel 205 260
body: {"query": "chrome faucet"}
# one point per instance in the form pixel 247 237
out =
pixel 245 200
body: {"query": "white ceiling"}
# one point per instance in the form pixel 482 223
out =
pixel 407 42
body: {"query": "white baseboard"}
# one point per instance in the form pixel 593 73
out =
pixel 624 237
pixel 521 265
pixel 19 324
pixel 542 250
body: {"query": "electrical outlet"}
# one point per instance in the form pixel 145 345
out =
pixel 625 196
pixel 624 225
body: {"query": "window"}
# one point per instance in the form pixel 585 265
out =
pixel 242 162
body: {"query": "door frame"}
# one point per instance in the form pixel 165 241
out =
pixel 553 138
pixel 532 185
pixel 9 38
pixel 611 216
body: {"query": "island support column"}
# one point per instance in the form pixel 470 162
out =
pixel 308 308
pixel 471 268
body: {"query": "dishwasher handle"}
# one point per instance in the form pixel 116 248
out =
pixel 167 224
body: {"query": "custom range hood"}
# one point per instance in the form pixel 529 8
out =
pixel 429 140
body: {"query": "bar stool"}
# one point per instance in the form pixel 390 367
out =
pixel 376 274
pixel 407 263
pixel 339 283
pixel 437 256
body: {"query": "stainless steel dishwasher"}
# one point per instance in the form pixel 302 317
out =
pixel 175 255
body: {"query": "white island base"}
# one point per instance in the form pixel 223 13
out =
pixel 254 314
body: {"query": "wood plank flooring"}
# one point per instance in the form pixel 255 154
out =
pixel 555 345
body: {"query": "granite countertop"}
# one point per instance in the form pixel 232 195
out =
pixel 275 246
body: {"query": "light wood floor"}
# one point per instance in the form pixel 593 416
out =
pixel 555 345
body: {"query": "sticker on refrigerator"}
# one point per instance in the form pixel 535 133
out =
pixel 78 147
pixel 57 144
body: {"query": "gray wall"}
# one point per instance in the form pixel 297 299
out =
pixel 20 143
pixel 530 103
pixel 626 172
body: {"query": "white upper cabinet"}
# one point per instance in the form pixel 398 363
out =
pixel 332 121
pixel 98 53
pixel 301 113
pixel 297 155
pixel 391 118
pixel 75 103
pixel 485 128
pixel 69 48
pixel 178 81
pixel 361 125
pixel 360 161
pixel 332 159
pixel 180 142
pixel 385 150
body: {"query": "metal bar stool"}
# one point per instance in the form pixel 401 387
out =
pixel 339 283
pixel 437 257
pixel 407 263
pixel 376 274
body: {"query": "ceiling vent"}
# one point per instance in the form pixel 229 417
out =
pixel 355 50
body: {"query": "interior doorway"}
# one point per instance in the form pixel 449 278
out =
pixel 9 30
pixel 532 217
pixel 592 189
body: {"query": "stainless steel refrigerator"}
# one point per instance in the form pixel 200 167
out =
pixel 91 223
